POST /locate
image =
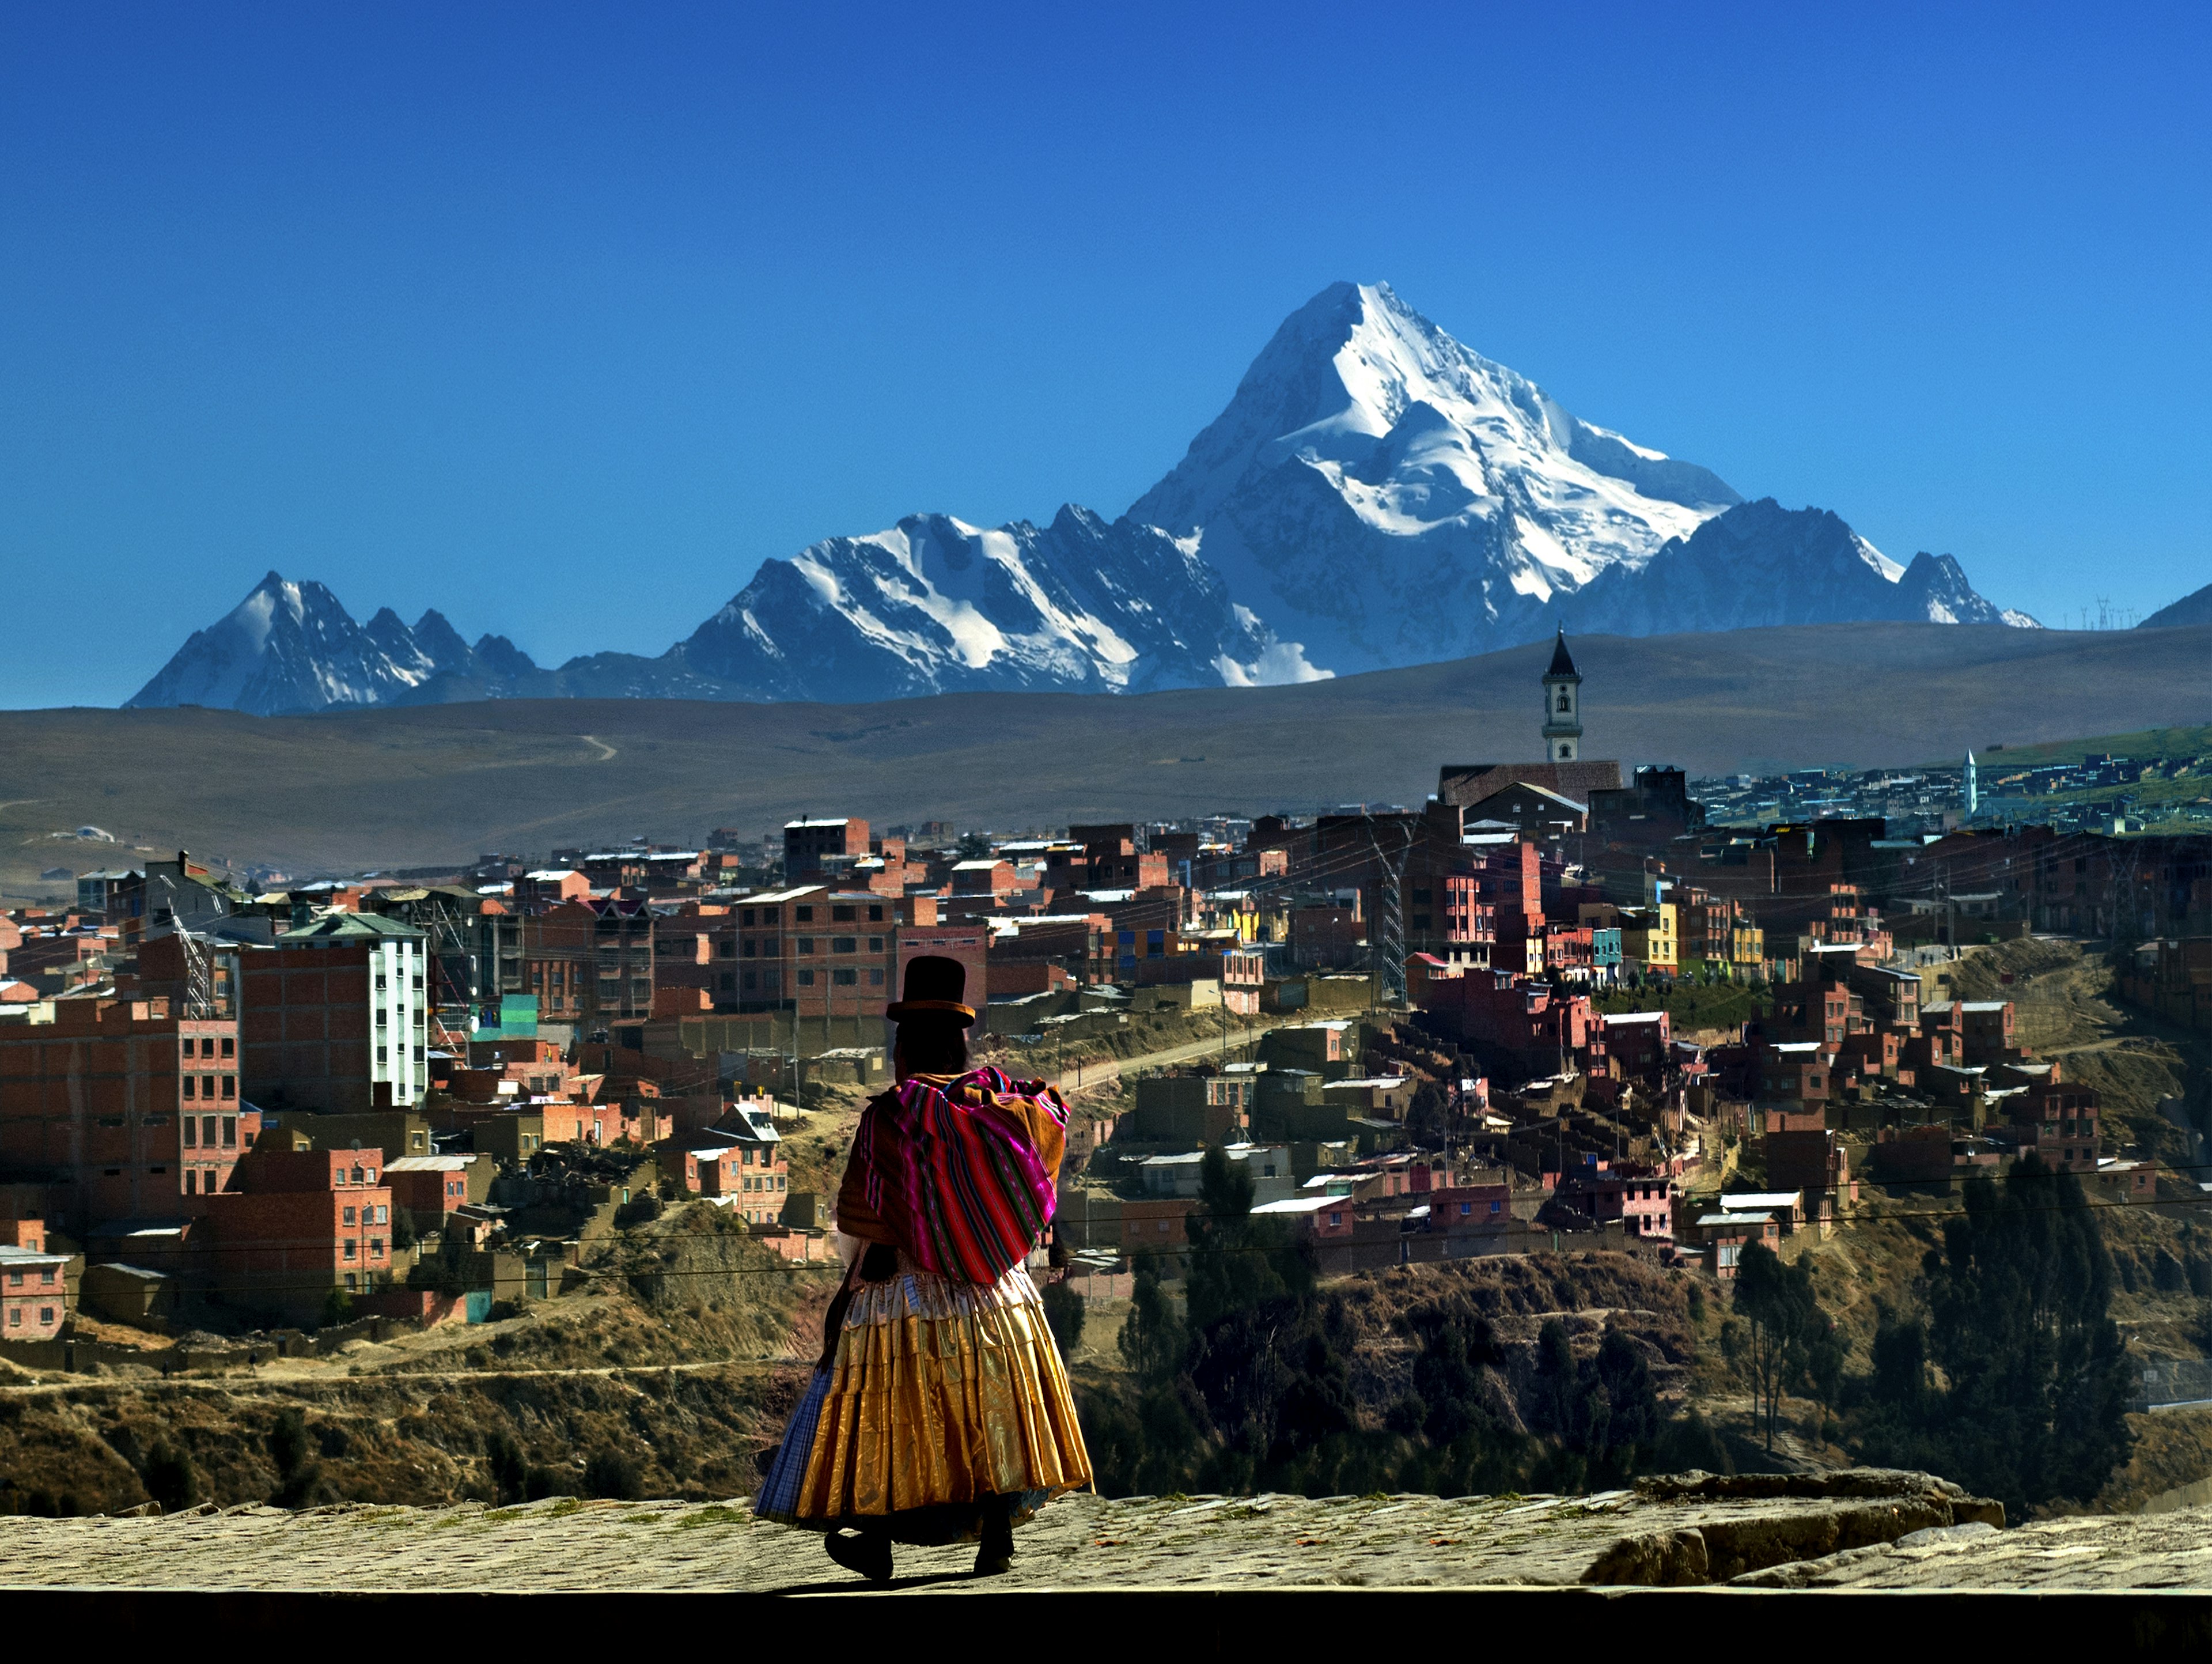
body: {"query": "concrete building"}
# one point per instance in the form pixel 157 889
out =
pixel 334 1017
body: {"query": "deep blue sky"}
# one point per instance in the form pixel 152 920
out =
pixel 562 320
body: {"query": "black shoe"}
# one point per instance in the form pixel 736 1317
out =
pixel 996 1557
pixel 867 1552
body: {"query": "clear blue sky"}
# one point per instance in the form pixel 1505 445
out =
pixel 562 319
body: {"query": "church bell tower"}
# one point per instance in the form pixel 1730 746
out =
pixel 1562 706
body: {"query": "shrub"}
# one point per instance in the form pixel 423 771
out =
pixel 613 1475
pixel 510 1473
pixel 170 1479
pixel 297 1474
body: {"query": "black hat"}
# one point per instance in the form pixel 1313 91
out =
pixel 934 985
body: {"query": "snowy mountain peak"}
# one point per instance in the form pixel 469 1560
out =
pixel 1367 446
pixel 1374 494
pixel 292 646
pixel 935 605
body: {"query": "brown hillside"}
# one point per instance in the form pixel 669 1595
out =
pixel 441 782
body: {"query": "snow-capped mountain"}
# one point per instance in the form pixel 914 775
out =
pixel 1374 494
pixel 1381 494
pixel 1760 563
pixel 934 606
pixel 293 646
pixel 1384 495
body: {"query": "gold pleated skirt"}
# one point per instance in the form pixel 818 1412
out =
pixel 941 1394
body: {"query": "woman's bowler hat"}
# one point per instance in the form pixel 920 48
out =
pixel 935 987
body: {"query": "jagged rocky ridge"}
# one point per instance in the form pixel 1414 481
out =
pixel 1374 494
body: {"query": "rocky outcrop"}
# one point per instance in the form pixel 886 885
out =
pixel 1820 1514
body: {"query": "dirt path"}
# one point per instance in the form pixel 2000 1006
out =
pixel 1102 1071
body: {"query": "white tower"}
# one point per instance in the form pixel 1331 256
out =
pixel 1969 788
pixel 1562 706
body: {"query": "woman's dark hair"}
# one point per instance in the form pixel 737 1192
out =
pixel 931 1046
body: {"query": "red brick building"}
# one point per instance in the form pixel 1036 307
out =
pixel 34 1295
pixel 431 1187
pixel 589 961
pixel 807 845
pixel 297 1225
pixel 119 1109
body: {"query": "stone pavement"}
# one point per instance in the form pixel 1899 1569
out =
pixel 1859 1529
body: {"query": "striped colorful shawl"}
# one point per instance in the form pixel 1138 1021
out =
pixel 953 1170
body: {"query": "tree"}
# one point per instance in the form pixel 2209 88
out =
pixel 2019 1299
pixel 1790 1342
pixel 337 1307
pixel 1152 1340
pixel 402 1228
pixel 1236 1261
pixel 1063 1311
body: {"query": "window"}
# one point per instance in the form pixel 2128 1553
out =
pixel 207 1046
pixel 186 1048
pixel 875 915
pixel 807 978
pixel 876 977
pixel 45 1314
pixel 844 944
pixel 805 947
pixel 376 1247
pixel 188 1181
pixel 383 1054
pixel 191 1128
pixel 845 978
pixel 349 1215
pixel 15 1279
pixel 348 1276
pixel 192 1086
pixel 752 979
pixel 349 1252
pixel 875 944
pixel 843 915
pixel 729 948
pixel 371 1179
pixel 229 1046
pixel 805 915
pixel 747 918
pixel 14 1317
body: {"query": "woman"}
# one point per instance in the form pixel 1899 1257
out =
pixel 939 1412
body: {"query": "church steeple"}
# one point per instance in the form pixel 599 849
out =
pixel 1563 700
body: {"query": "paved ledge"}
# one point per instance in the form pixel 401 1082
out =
pixel 1858 1532
pixel 1869 1527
